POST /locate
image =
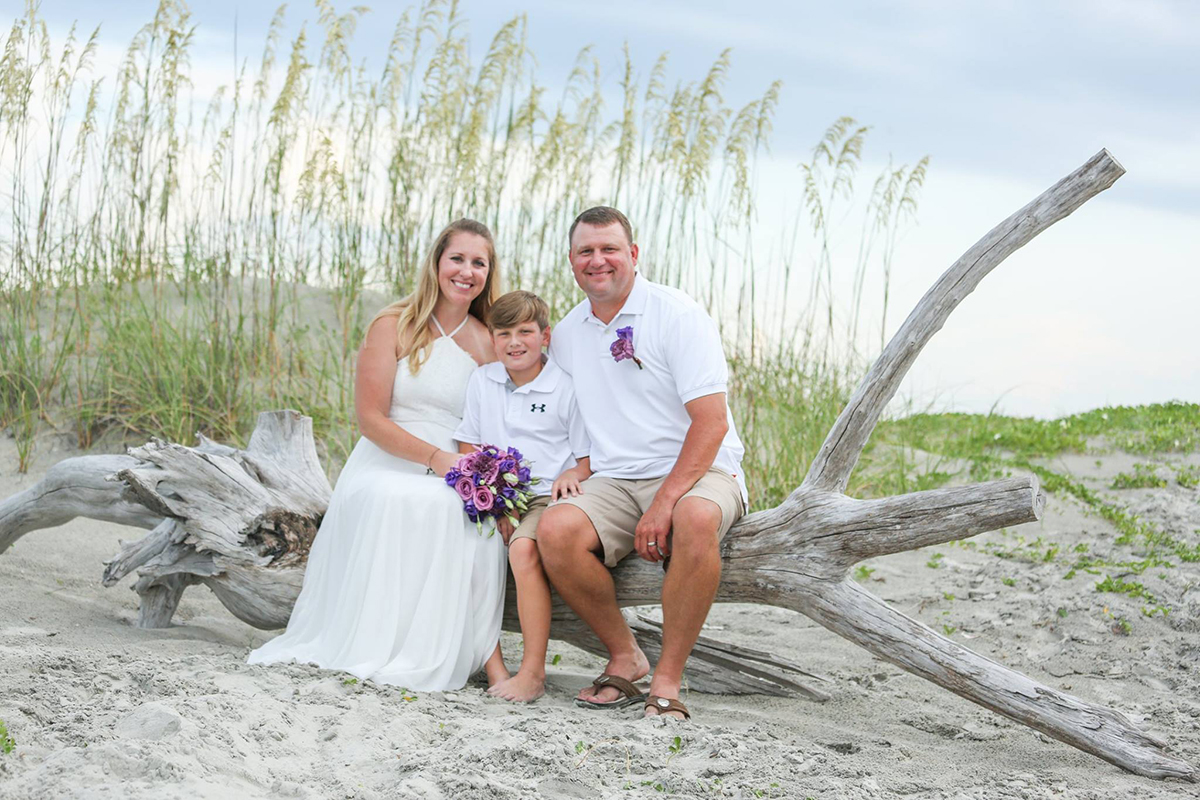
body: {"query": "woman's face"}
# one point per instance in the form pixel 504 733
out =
pixel 463 268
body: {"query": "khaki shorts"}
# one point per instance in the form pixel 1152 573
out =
pixel 528 527
pixel 615 506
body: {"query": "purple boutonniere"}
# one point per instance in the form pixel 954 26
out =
pixel 622 348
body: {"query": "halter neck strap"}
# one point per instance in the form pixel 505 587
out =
pixel 442 330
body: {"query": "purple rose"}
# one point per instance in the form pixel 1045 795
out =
pixel 492 473
pixel 465 487
pixel 484 498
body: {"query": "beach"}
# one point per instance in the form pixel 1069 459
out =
pixel 99 708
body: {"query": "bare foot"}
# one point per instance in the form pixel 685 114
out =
pixel 497 673
pixel 524 687
pixel 632 667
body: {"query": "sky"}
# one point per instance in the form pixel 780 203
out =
pixel 1005 98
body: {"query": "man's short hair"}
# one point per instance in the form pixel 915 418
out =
pixel 601 216
pixel 517 307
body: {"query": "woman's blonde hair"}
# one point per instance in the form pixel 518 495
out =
pixel 414 311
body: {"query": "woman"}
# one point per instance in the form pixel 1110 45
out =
pixel 400 588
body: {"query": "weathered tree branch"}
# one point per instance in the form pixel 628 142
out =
pixel 907 522
pixel 241 522
pixel 835 461
pixel 852 612
pixel 76 487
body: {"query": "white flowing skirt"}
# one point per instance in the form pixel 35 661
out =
pixel 400 587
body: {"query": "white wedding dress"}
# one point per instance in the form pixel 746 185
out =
pixel 400 587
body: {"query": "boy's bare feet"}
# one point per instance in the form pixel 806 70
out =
pixel 496 671
pixel 632 667
pixel 524 687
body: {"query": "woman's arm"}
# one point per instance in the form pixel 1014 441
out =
pixel 373 383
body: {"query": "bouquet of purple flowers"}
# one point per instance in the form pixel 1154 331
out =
pixel 492 483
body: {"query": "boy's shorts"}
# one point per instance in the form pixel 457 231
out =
pixel 528 527
pixel 615 506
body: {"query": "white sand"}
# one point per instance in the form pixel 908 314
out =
pixel 102 709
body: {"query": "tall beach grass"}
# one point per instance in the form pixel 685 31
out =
pixel 172 264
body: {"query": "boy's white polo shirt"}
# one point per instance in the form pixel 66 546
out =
pixel 636 418
pixel 541 419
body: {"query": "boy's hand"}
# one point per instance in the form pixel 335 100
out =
pixel 506 529
pixel 566 485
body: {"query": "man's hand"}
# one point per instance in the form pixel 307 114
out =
pixel 651 538
pixel 709 424
pixel 506 529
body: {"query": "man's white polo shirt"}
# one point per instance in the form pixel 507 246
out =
pixel 636 417
pixel 541 419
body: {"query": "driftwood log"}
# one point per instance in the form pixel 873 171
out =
pixel 241 522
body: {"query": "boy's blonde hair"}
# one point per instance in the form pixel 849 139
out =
pixel 516 307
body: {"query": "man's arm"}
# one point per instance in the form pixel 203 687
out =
pixel 710 423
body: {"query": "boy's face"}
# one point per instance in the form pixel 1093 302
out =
pixel 520 347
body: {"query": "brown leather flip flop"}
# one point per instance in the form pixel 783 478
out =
pixel 662 705
pixel 630 694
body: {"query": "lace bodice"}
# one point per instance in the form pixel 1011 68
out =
pixel 437 392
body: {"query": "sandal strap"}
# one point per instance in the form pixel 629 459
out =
pixel 626 688
pixel 664 704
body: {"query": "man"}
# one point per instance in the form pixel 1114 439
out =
pixel 650 379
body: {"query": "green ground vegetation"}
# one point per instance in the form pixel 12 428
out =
pixel 7 742
pixel 990 446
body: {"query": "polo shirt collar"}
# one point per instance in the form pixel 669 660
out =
pixel 635 303
pixel 496 372
pixel 546 380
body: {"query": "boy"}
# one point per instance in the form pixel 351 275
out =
pixel 524 400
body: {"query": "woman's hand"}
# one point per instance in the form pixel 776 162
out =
pixel 442 462
pixel 506 529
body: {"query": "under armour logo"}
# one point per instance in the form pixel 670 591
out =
pixel 537 407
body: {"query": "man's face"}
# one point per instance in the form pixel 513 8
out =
pixel 603 261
